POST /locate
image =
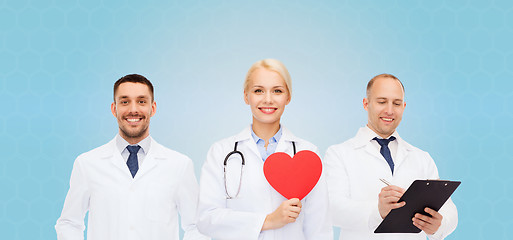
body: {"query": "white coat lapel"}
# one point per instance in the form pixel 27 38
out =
pixel 151 160
pixel 362 140
pixel 113 155
pixel 402 151
pixel 285 143
pixel 373 151
pixel 253 147
pixel 118 161
pixel 245 138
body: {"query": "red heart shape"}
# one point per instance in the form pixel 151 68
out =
pixel 293 177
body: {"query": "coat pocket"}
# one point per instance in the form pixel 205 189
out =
pixel 160 205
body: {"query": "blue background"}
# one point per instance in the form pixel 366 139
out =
pixel 59 60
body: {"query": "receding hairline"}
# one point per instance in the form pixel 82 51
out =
pixel 383 75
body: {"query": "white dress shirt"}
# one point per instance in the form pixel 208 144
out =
pixel 354 168
pixel 392 145
pixel 145 144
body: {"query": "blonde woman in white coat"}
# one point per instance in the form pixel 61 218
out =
pixel 242 204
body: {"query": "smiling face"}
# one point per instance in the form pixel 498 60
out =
pixel 267 95
pixel 385 105
pixel 133 107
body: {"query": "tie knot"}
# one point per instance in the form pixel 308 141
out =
pixel 384 142
pixel 133 149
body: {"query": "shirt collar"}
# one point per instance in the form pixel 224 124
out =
pixel 274 139
pixel 121 143
pixel 369 134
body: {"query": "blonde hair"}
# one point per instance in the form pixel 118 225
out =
pixel 271 65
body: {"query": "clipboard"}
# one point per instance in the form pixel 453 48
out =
pixel 420 194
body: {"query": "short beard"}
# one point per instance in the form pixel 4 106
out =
pixel 135 135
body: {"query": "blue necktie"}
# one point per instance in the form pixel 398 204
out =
pixel 385 151
pixel 132 162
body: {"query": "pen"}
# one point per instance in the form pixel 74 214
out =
pixel 385 181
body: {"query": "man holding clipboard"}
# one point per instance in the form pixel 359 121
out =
pixel 359 201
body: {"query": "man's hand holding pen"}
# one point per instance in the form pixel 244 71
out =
pixel 388 198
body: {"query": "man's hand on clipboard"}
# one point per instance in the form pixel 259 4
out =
pixel 423 199
pixel 428 224
pixel 388 198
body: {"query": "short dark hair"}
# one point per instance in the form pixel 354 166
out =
pixel 133 78
pixel 383 75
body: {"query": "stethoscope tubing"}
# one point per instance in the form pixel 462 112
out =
pixel 241 171
pixel 243 161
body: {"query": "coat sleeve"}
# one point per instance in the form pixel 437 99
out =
pixel 70 226
pixel 187 203
pixel 448 210
pixel 348 214
pixel 215 219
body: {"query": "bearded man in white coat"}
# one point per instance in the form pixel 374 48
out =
pixel 358 200
pixel 132 186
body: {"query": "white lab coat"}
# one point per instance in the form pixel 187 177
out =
pixel 243 217
pixel 354 169
pixel 125 208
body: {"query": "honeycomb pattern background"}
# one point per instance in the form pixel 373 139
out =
pixel 60 58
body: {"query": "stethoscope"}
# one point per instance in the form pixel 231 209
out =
pixel 241 168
